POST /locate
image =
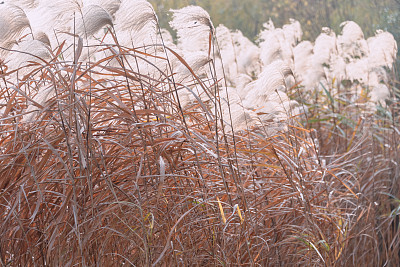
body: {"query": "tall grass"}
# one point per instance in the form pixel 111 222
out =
pixel 359 142
pixel 113 171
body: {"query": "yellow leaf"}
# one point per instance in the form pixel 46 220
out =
pixel 240 214
pixel 221 210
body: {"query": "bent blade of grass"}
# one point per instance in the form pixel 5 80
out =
pixel 221 211
pixel 343 183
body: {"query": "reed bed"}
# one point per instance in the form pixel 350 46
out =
pixel 113 171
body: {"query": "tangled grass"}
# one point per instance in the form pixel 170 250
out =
pixel 112 171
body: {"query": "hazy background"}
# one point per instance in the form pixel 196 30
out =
pixel 249 15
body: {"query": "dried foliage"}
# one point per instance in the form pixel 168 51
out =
pixel 101 166
pixel 361 149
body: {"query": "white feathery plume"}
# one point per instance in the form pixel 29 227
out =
pixel 228 53
pixel 248 55
pixel 358 70
pixel 269 26
pixel 167 37
pixel 337 69
pixel 242 81
pixel 168 42
pixel 90 25
pixel 274 46
pixel 267 97
pixel 93 19
pixel 198 62
pixel 24 4
pixel 25 53
pixel 379 93
pixel 44 95
pixel 348 56
pixel 41 36
pixel 351 43
pixel 290 80
pixel 277 108
pixel 61 19
pixel 111 6
pixel 377 75
pixel 292 32
pixel 324 48
pixel 55 18
pixel 224 37
pixel 275 113
pixel 302 54
pixel 232 108
pixel 239 55
pixel 134 15
pixel 382 49
pixel 314 78
pixel 194 28
pixel 377 79
pixel 271 79
pixel 136 23
pixel 270 48
pixel 13 21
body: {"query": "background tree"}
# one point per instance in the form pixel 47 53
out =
pixel 249 16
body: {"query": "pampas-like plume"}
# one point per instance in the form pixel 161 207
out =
pixel 273 78
pixel 88 25
pixel 41 98
pixel 167 37
pixel 232 107
pixel 351 43
pixel 241 81
pixel 324 47
pixel 55 17
pixel 379 93
pixel 198 61
pixel 111 6
pixel 357 70
pixel 324 50
pixel 69 17
pixel 239 55
pixel 136 23
pixel 92 20
pixel 25 4
pixel 194 28
pixel 248 55
pixel 377 80
pixel 275 46
pixel 293 32
pixel 228 53
pixel 382 49
pixel 302 54
pixel 337 69
pixel 348 57
pixel 13 21
pixel 41 36
pixel 25 53
pixel 266 96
